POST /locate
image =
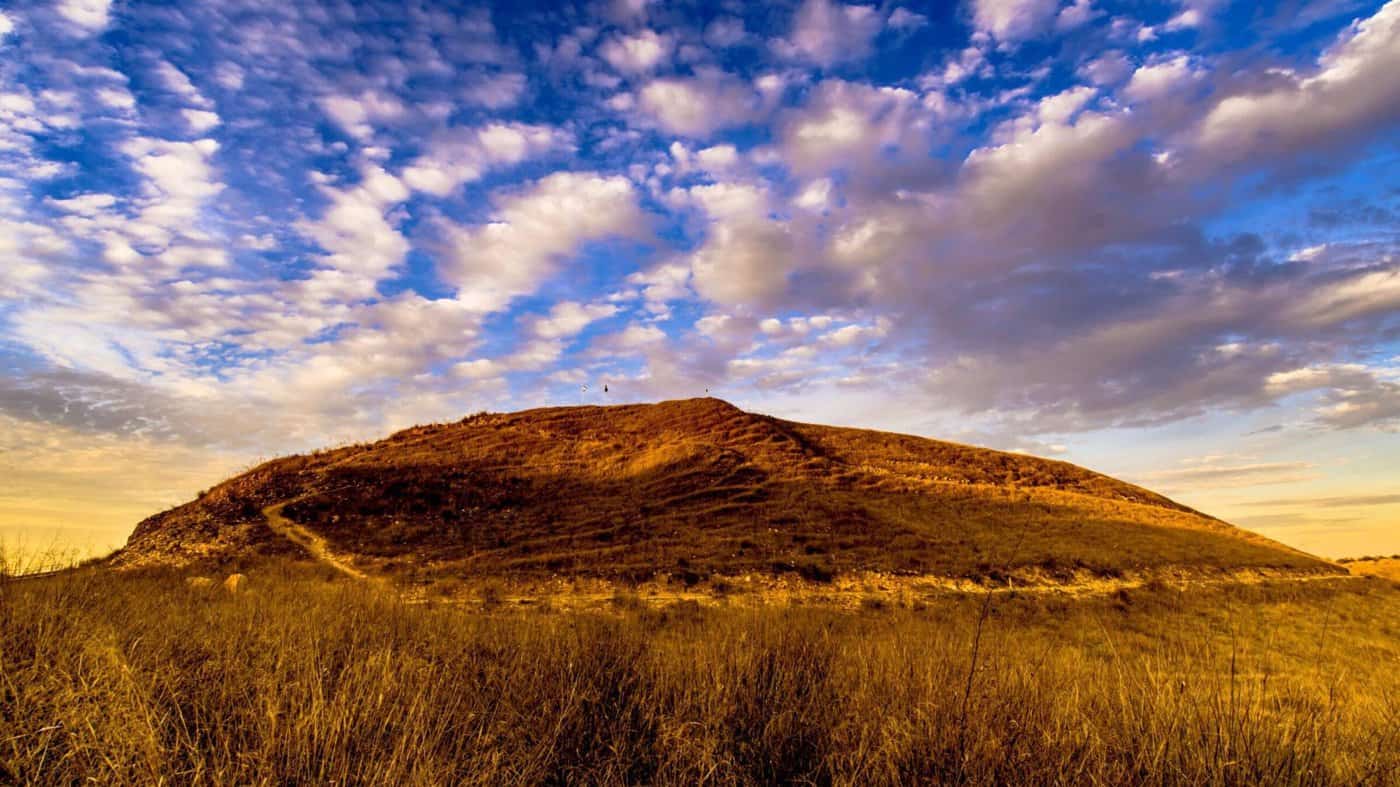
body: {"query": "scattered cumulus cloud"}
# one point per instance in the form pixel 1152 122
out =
pixel 1352 80
pixel 533 231
pixel 1013 21
pixel 358 115
pixel 1024 219
pixel 904 19
pixel 87 16
pixel 200 121
pixel 1157 80
pixel 637 53
pixel 826 32
pixel 698 106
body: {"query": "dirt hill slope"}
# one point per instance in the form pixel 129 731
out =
pixel 694 488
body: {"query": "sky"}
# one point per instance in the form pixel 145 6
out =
pixel 1158 239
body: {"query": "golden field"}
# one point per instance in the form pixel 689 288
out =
pixel 312 677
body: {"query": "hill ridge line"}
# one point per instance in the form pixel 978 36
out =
pixel 688 488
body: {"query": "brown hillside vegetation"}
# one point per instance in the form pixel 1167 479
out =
pixel 1383 567
pixel 694 489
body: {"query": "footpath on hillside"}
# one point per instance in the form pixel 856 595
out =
pixel 311 542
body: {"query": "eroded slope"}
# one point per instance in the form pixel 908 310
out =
pixel 696 488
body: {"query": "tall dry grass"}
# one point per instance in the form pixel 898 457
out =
pixel 308 679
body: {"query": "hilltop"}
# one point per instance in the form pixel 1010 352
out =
pixel 690 489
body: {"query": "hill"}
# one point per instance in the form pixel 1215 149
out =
pixel 1378 566
pixel 690 489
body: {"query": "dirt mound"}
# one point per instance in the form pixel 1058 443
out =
pixel 691 488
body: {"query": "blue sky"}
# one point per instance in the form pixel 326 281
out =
pixel 1158 239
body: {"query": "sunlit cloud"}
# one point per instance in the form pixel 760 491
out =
pixel 245 229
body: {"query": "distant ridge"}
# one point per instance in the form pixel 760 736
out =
pixel 692 487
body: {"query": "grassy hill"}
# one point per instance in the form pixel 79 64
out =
pixel 694 489
pixel 856 664
pixel 1378 566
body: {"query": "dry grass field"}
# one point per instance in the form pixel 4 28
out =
pixel 311 677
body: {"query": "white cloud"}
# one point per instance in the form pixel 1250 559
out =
pixel 229 76
pixel 116 97
pixel 969 62
pixel 362 245
pixel 180 178
pixel 1353 88
pixel 200 120
pixel 1365 294
pixel 1006 251
pixel 479 369
pixel 625 10
pixel 728 329
pixel 1037 165
pixel 904 19
pixel 178 82
pixel 698 106
pixel 568 318
pixel 746 256
pixel 358 231
pixel 464 156
pixel 826 32
pixel 30 251
pixel 1312 378
pixel 664 283
pixel 1109 68
pixel 13 104
pixel 495 91
pixel 1012 21
pixel 1164 77
pixel 1373 403
pixel 638 52
pixel 356 115
pixel 1075 15
pixel 1308 253
pixel 1063 106
pixel 816 196
pixel 1184 20
pixel 725 31
pixel 637 337
pixel 84 204
pixel 90 16
pixel 854 333
pixel 533 232
pixel 266 242
pixel 717 159
pixel 1194 13
pixel 846 124
pixel 731 201
pixel 7 25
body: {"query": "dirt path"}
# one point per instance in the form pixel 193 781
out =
pixel 309 541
